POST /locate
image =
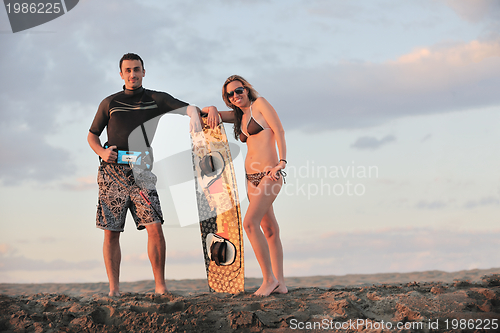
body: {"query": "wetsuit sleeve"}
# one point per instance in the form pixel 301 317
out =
pixel 168 103
pixel 101 118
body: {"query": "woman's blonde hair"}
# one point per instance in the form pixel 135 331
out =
pixel 238 114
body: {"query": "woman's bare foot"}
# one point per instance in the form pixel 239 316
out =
pixel 267 288
pixel 114 294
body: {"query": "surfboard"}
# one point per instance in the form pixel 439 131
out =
pixel 218 209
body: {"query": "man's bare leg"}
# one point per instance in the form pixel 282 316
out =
pixel 157 251
pixel 112 258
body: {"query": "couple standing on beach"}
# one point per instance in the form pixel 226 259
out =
pixel 125 186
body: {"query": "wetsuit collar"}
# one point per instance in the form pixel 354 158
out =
pixel 134 91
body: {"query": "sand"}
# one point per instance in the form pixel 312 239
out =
pixel 434 301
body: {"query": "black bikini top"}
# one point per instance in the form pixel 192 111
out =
pixel 253 127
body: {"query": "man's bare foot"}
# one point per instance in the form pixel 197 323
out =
pixel 161 289
pixel 281 289
pixel 161 292
pixel 114 294
pixel 267 288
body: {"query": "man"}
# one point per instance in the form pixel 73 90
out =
pixel 131 186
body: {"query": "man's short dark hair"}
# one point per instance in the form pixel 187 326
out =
pixel 131 56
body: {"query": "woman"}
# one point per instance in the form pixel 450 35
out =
pixel 257 123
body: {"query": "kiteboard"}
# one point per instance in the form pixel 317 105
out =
pixel 218 209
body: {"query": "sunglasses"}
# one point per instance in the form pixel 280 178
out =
pixel 238 91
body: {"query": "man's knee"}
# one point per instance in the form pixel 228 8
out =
pixel 111 236
pixel 155 230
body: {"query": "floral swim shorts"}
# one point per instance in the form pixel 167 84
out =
pixel 120 189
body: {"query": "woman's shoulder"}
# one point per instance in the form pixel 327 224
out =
pixel 261 102
pixel 262 105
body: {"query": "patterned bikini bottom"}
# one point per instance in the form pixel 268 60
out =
pixel 255 178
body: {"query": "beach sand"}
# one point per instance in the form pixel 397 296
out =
pixel 433 301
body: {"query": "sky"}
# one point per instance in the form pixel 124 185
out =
pixel 390 109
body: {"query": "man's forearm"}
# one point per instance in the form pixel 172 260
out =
pixel 95 143
pixel 192 110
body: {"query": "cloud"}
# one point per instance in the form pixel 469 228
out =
pixel 392 250
pixel 5 249
pixel 369 142
pixel 469 204
pixel 475 11
pixel 340 10
pixel 426 138
pixel 459 55
pixel 432 205
pixel 486 201
pixel 10 261
pixel 437 79
pixel 21 263
pixel 81 184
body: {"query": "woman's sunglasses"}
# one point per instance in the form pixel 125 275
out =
pixel 238 90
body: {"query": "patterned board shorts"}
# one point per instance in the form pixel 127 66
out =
pixel 119 190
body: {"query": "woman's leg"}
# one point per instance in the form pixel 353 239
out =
pixel 271 231
pixel 261 199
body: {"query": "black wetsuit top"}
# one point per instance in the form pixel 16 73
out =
pixel 126 110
